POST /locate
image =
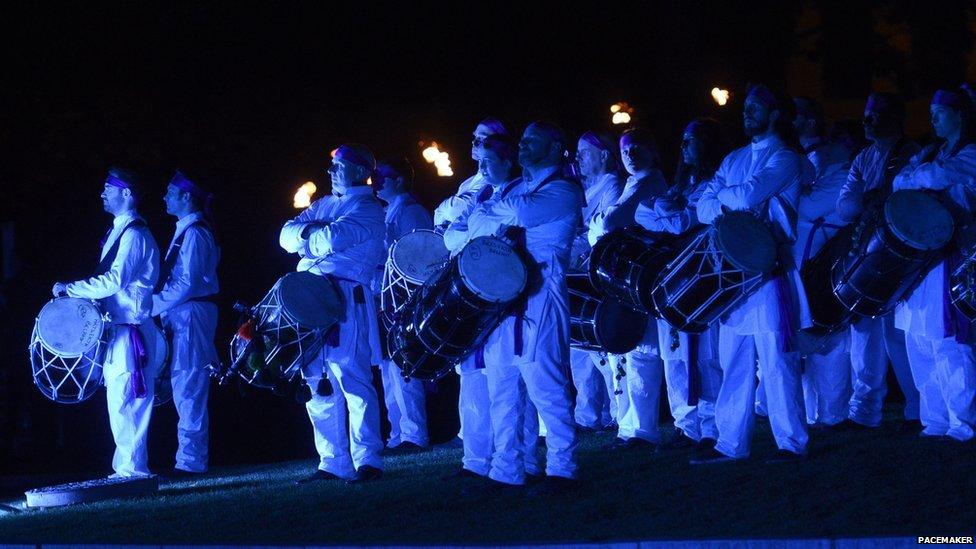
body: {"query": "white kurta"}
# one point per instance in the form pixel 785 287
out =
pixel 696 421
pixel 405 400
pixel 350 247
pixel 748 179
pixel 190 325
pixel 827 373
pixel 454 206
pixel 125 291
pixel 875 340
pixel 550 215
pixel 943 367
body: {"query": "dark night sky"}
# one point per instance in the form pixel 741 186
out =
pixel 251 97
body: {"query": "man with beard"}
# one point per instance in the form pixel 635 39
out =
pixel 640 391
pixel 405 400
pixel 598 160
pixel 539 212
pixel 123 285
pixel 340 236
pixel 763 325
pixel 876 340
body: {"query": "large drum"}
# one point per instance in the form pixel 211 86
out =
pixel 284 331
pixel 67 349
pixel 455 311
pixel 598 323
pixel 625 262
pixel 828 313
pixel 894 250
pixel 413 259
pixel 962 286
pixel 723 265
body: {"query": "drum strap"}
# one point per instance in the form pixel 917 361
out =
pixel 173 254
pixel 106 263
pixel 784 300
pixel 818 224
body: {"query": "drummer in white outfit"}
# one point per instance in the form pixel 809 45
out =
pixel 875 340
pixel 541 212
pixel 599 165
pixel 691 370
pixel 640 386
pixel 405 400
pixel 750 178
pixel 184 304
pixel 827 371
pixel 938 336
pixel 341 236
pixel 124 283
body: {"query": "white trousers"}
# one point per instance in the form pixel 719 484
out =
pixel 827 382
pixel 192 327
pixel 734 409
pixel 128 416
pixel 945 373
pixel 405 406
pixel 592 398
pixel 638 404
pixel 695 421
pixel 873 342
pixel 344 449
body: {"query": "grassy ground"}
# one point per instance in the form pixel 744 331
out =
pixel 877 484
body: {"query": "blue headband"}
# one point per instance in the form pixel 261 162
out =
pixel 951 99
pixel 349 154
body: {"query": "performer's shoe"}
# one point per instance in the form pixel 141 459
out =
pixel 182 474
pixel 910 427
pixel 455 442
pixel 366 473
pixel 707 457
pixel 851 425
pixel 786 456
pixel 405 447
pixel 633 443
pixel 707 443
pixel 490 486
pixel 935 438
pixel 461 474
pixel 679 442
pixel 317 476
pixel 554 486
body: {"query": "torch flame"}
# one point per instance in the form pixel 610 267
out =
pixel 303 198
pixel 440 159
pixel 720 96
pixel 621 113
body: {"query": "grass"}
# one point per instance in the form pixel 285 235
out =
pixel 882 483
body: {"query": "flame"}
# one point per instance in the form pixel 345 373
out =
pixel 440 159
pixel 621 113
pixel 720 96
pixel 303 198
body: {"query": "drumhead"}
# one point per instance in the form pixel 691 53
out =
pixel 491 269
pixel 69 326
pixel 918 220
pixel 745 241
pixel 418 255
pixel 310 299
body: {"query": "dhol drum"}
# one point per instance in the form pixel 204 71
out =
pixel 893 251
pixel 67 349
pixel 164 379
pixel 284 331
pixel 625 263
pixel 598 323
pixel 828 313
pixel 413 259
pixel 723 265
pixel 962 285
pixel 456 310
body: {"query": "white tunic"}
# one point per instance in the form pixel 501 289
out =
pixel 866 174
pixel 452 207
pixel 621 213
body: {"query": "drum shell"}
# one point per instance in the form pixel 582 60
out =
pixel 599 323
pixel 962 286
pixel 828 313
pixel 72 373
pixel 625 263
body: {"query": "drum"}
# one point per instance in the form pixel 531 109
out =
pixel 67 349
pixel 962 286
pixel 894 250
pixel 164 358
pixel 723 265
pixel 284 331
pixel 602 324
pixel 625 262
pixel 455 311
pixel 413 259
pixel 828 313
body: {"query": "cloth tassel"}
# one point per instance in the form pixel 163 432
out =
pixel 137 384
pixel 785 304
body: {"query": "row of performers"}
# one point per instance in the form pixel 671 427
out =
pixel 522 375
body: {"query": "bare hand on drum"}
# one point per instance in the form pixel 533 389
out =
pixel 60 289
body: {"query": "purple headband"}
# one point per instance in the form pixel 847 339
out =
pixel 693 127
pixel 349 154
pixel 548 130
pixel 877 103
pixel 181 182
pixel 594 139
pixel 951 99
pixel 114 180
pixel 763 94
